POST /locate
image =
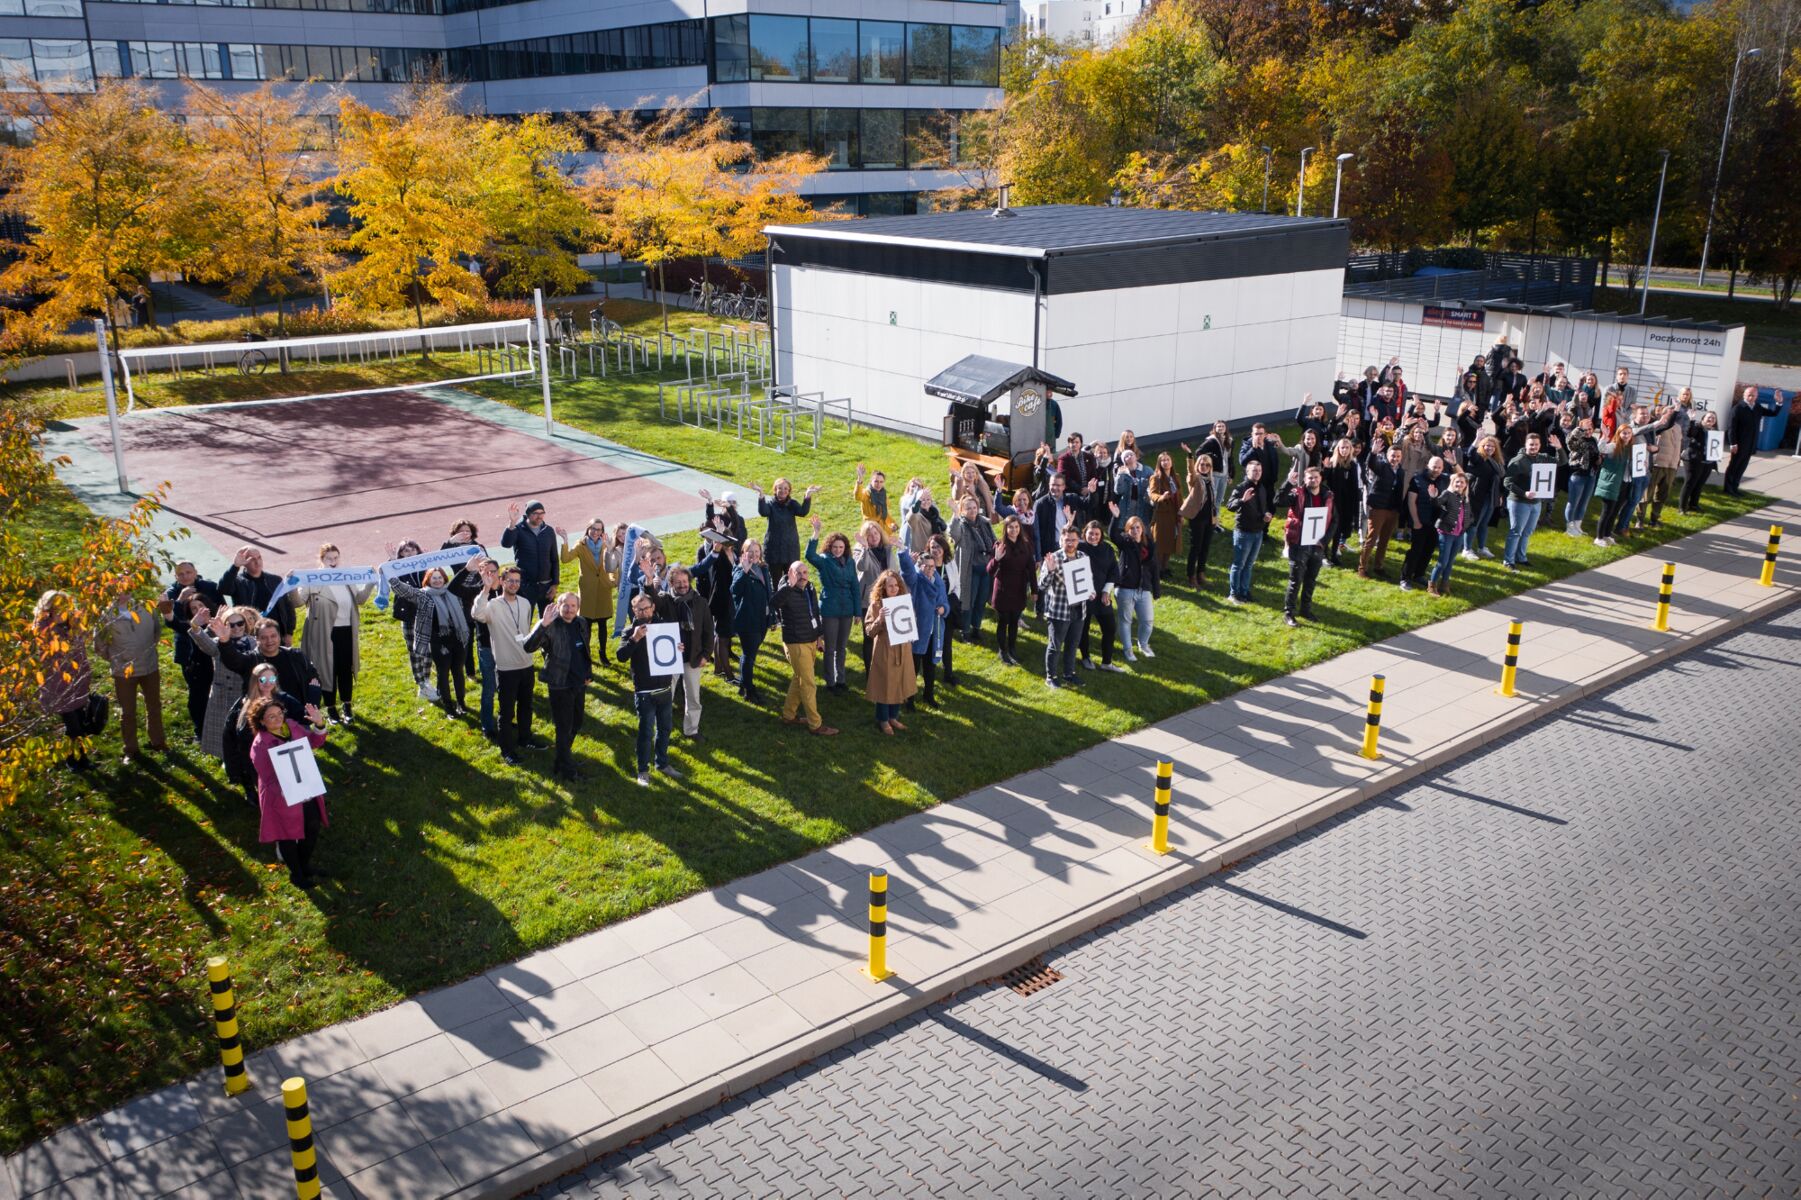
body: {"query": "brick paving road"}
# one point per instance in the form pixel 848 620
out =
pixel 1566 965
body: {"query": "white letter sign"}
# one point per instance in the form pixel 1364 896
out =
pixel 1641 460
pixel 1078 579
pixel 1544 481
pixel 297 771
pixel 663 644
pixel 897 611
pixel 1716 445
pixel 1313 526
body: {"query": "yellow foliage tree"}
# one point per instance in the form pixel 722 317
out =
pixel 110 559
pixel 678 185
pixel 536 220
pixel 105 185
pixel 263 190
pixel 412 181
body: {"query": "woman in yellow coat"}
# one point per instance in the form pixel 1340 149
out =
pixel 595 582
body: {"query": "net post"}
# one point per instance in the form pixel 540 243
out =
pixel 112 403
pixel 544 359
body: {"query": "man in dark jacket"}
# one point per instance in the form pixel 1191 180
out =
pixel 1523 506
pixel 534 546
pixel 781 541
pixel 562 634
pixel 196 668
pixel 1422 517
pixel 245 582
pixel 694 613
pixel 1076 465
pixel 1246 500
pixel 1384 492
pixel 1262 448
pixel 1741 439
pixel 1304 555
pixel 653 692
pixel 293 672
pixel 1059 510
pixel 797 607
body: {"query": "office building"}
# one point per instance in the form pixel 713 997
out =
pixel 860 81
pixel 1086 22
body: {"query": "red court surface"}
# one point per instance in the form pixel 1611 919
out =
pixel 368 471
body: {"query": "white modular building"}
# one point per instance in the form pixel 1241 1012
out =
pixel 1164 320
pixel 1436 342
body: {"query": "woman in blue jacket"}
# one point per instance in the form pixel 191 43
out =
pixel 751 592
pixel 930 603
pixel 838 607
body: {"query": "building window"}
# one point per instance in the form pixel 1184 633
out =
pixel 931 139
pixel 731 49
pixel 928 53
pixel 53 8
pixel 834 51
pixel 976 55
pixel 15 63
pixel 778 131
pixel 778 48
pixel 883 56
pixel 884 138
pixel 835 136
pixel 63 65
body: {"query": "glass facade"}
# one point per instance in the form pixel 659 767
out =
pixel 762 49
pixel 856 139
pixel 58 64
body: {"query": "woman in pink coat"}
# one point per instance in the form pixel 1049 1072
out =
pixel 294 830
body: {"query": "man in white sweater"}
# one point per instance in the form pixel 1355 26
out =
pixel 510 620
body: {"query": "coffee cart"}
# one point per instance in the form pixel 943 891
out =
pixel 999 414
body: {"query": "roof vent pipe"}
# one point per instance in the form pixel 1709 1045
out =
pixel 1005 208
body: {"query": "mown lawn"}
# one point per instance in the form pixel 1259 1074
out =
pixel 114 891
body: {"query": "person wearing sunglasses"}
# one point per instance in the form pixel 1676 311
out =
pixel 210 635
pixel 240 733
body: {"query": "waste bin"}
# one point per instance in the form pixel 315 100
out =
pixel 1772 406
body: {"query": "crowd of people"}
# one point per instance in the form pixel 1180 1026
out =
pixel 916 577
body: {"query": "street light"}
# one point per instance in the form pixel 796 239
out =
pixel 1339 181
pixel 1719 167
pixel 1268 158
pixel 1300 199
pixel 1662 174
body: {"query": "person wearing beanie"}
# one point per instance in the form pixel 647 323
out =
pixel 535 551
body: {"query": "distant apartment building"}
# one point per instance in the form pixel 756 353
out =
pixel 1089 22
pixel 862 82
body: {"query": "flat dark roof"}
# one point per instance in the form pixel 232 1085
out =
pixel 1062 248
pixel 1621 318
pixel 1046 229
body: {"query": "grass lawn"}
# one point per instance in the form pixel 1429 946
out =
pixel 114 892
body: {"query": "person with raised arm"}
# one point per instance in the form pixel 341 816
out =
pixel 593 581
pixel 797 609
pixel 332 638
pixel 293 828
pixel 781 540
pixel 752 590
pixel 508 618
pixel 839 600
pixel 872 500
pixel 534 546
pixel 891 680
pixel 567 669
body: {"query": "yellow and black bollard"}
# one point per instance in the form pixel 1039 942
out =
pixel 300 1139
pixel 1664 591
pixel 225 1024
pixel 1372 724
pixel 1160 819
pixel 1510 664
pixel 878 926
pixel 1768 575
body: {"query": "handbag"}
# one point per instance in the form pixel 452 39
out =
pixel 93 717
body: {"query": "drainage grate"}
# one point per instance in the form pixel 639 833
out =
pixel 1030 977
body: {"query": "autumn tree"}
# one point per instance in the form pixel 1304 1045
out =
pixel 536 220
pixel 106 186
pixel 678 184
pixel 107 559
pixel 263 187
pixel 412 178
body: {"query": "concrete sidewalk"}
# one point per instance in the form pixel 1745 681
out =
pixel 520 1075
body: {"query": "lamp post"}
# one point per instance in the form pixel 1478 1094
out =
pixel 1338 183
pixel 1720 166
pixel 1268 161
pixel 1663 173
pixel 1300 199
